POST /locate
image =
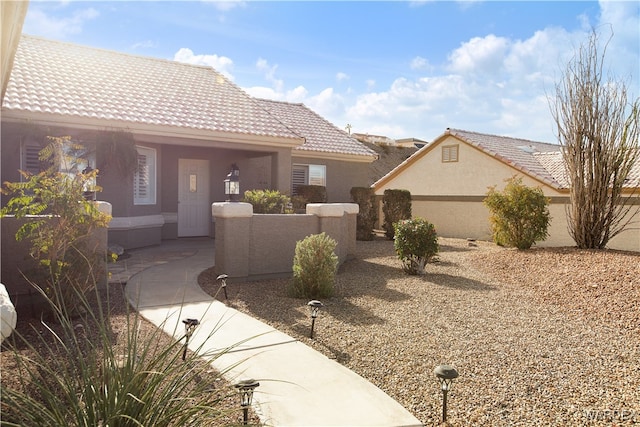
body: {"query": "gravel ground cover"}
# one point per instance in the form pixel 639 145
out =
pixel 539 337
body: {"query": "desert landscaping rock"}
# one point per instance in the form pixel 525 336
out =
pixel 539 337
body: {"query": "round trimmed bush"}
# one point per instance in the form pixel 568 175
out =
pixel 416 242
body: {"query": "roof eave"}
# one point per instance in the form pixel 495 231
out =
pixel 165 131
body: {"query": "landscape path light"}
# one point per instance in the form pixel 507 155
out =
pixel 314 306
pixel 189 326
pixel 445 374
pixel 246 388
pixel 223 279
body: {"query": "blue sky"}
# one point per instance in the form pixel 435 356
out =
pixel 400 69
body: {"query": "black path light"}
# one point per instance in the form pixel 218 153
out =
pixel 232 184
pixel 314 306
pixel 445 374
pixel 189 326
pixel 223 279
pixel 246 388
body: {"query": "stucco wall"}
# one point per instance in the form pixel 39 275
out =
pixel 252 246
pixel 341 176
pixel 17 262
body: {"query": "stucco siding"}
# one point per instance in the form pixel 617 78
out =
pixel 471 175
pixel 341 176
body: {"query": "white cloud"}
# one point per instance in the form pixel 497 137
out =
pixel 479 55
pixel 144 44
pixel 225 5
pixel 269 72
pixel 221 64
pixel 420 63
pixel 37 22
pixel 342 76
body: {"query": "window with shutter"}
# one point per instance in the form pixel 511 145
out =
pixel 31 158
pixel 307 175
pixel 449 153
pixel 299 176
pixel 144 180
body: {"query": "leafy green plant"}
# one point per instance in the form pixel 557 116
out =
pixel 314 267
pixel 60 223
pixel 83 373
pixel 396 206
pixel 416 242
pixel 367 215
pixel 312 193
pixel 117 152
pixel 519 214
pixel 268 201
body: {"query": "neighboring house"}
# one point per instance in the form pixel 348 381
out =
pixel 449 179
pixel 188 123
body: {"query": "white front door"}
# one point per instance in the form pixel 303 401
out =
pixel 194 211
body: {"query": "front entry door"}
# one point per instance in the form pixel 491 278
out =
pixel 194 211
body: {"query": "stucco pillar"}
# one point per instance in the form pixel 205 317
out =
pixel 281 171
pixel 233 232
pixel 335 220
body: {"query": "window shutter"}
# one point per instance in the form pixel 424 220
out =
pixel 298 177
pixel 450 153
pixel 141 181
pixel 31 158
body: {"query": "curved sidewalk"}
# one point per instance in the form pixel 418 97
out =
pixel 298 385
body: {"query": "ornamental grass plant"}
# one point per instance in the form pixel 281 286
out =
pixel 83 372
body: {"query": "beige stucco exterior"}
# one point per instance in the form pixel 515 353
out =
pixel 450 194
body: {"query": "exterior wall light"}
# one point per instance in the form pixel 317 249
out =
pixel 223 279
pixel 189 326
pixel 246 388
pixel 314 306
pixel 445 374
pixel 232 184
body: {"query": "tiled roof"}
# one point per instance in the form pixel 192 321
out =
pixel 83 82
pixel 518 153
pixel 320 135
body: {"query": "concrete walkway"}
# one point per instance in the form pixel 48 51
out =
pixel 298 385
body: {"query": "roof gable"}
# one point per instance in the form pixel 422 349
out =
pixel 87 83
pixel 320 135
pixel 539 160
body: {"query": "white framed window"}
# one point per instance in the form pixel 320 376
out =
pixel 74 159
pixel 308 175
pixel 144 180
pixel 449 153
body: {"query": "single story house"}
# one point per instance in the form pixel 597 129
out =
pixel 188 125
pixel 449 178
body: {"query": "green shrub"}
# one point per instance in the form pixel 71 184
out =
pixel 299 203
pixel 519 214
pixel 312 193
pixel 63 223
pixel 396 206
pixel 268 201
pixel 314 267
pixel 415 243
pixel 367 214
